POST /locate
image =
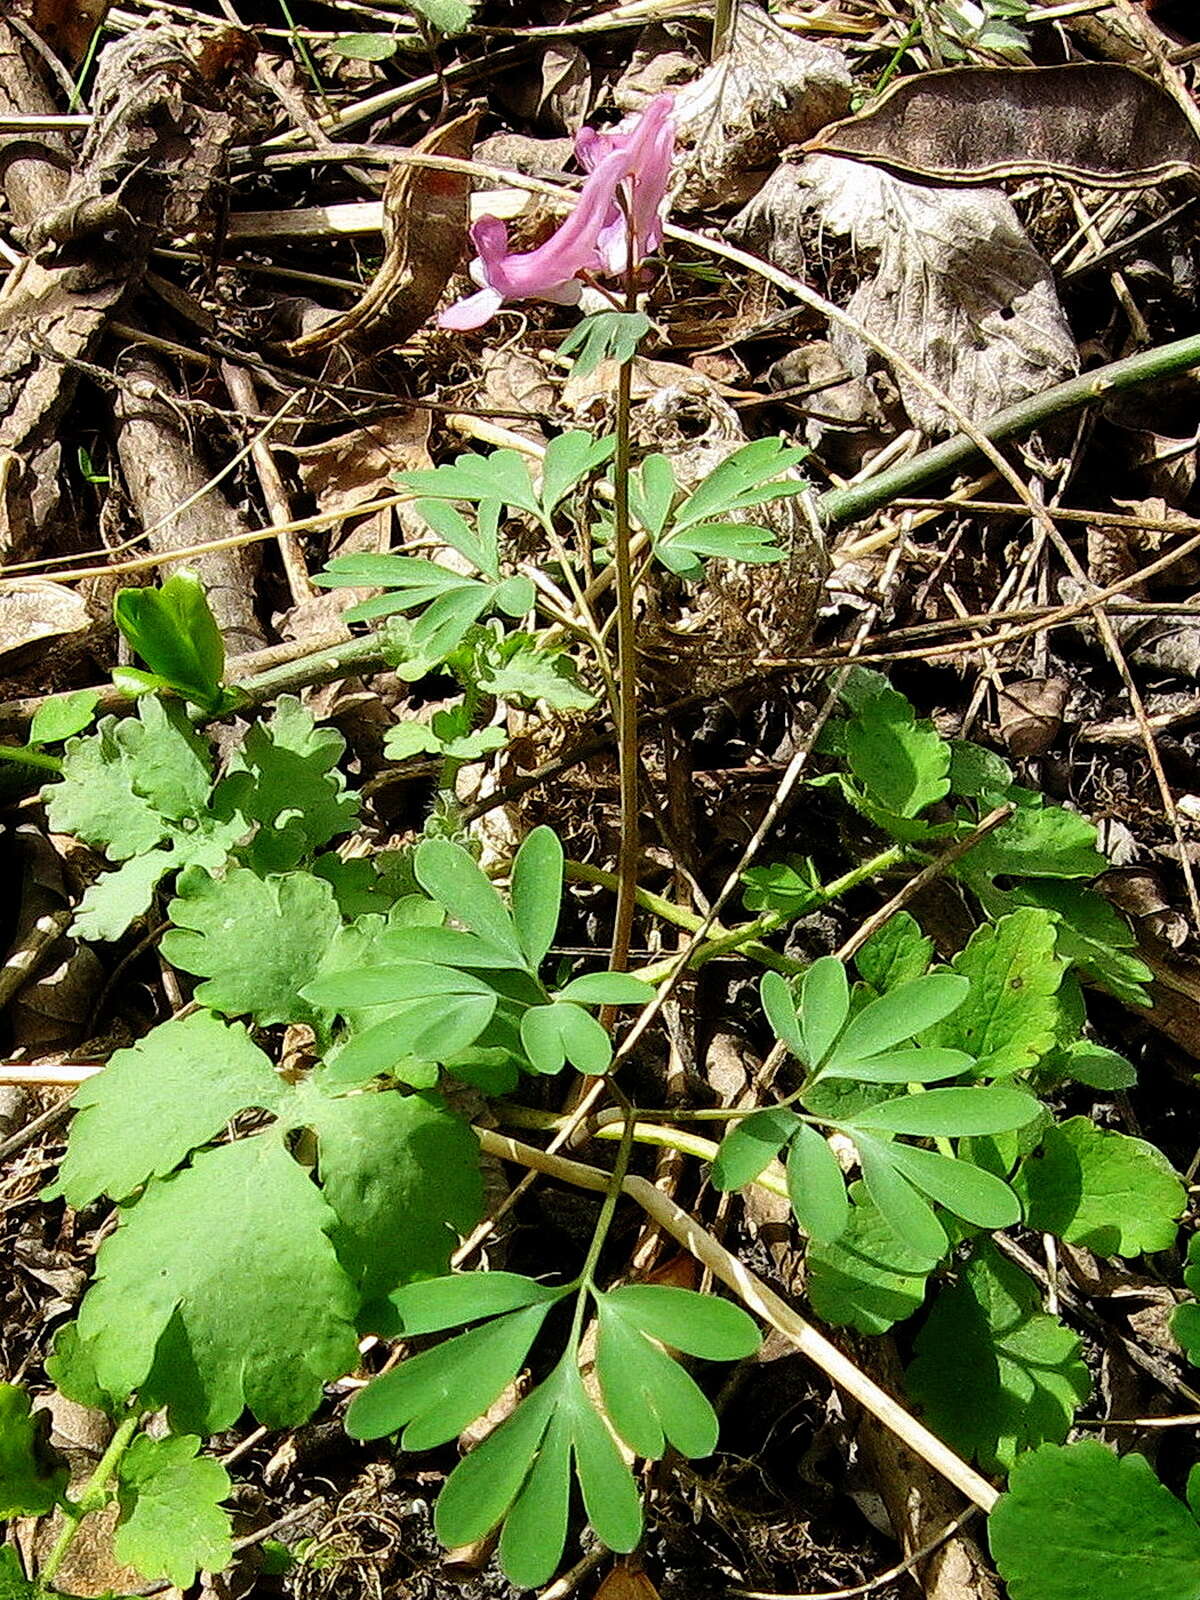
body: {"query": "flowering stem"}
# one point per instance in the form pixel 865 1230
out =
pixel 629 853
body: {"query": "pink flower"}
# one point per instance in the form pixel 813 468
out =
pixel 648 147
pixel 625 190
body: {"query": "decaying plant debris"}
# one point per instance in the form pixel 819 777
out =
pixel 228 232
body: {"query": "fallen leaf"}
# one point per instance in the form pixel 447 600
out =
pixel 556 93
pixel 770 89
pixel 66 26
pixel 1142 895
pixel 540 158
pixel 346 472
pixel 425 216
pixel 622 1584
pixel 958 288
pixel 1098 123
pixel 33 610
pixel 1031 714
pixel 660 62
pixel 343 474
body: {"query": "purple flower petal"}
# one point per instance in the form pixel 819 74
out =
pixel 624 192
pixel 472 312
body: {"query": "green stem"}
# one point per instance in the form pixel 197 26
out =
pixel 771 921
pixel 629 854
pixel 324 666
pixel 587 1275
pixel 652 1134
pixel 724 12
pixel 747 938
pixel 25 757
pixel 93 1496
pixel 838 506
pixel 893 66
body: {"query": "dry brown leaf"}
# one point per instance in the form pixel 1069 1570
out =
pixel 662 60
pixel 958 288
pixel 1141 893
pixel 622 1584
pixel 1156 438
pixel 540 158
pixel 67 26
pixel 342 474
pixel 770 89
pixel 425 217
pixel 566 87
pixel 1098 123
pixel 33 610
pixel 346 472
pixel 1031 714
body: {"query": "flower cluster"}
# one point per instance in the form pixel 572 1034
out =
pixel 622 201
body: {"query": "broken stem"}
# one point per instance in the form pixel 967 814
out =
pixel 839 506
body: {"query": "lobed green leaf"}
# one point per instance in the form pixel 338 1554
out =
pixel 33 1477
pixel 187 1078
pixel 1114 1194
pixel 1080 1523
pixel 171 1522
pixel 988 1338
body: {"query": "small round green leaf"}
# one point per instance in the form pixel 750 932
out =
pixel 899 1015
pixel 561 1032
pixel 780 1007
pixel 364 46
pixel 63 715
pixel 451 876
pixel 905 1066
pixel 909 1216
pixel 607 989
pixel 537 878
pixel 514 596
pixel 969 1191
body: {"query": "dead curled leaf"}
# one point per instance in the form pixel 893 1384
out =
pixel 771 88
pixel 1031 714
pixel 425 216
pixel 1098 123
pixel 958 289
